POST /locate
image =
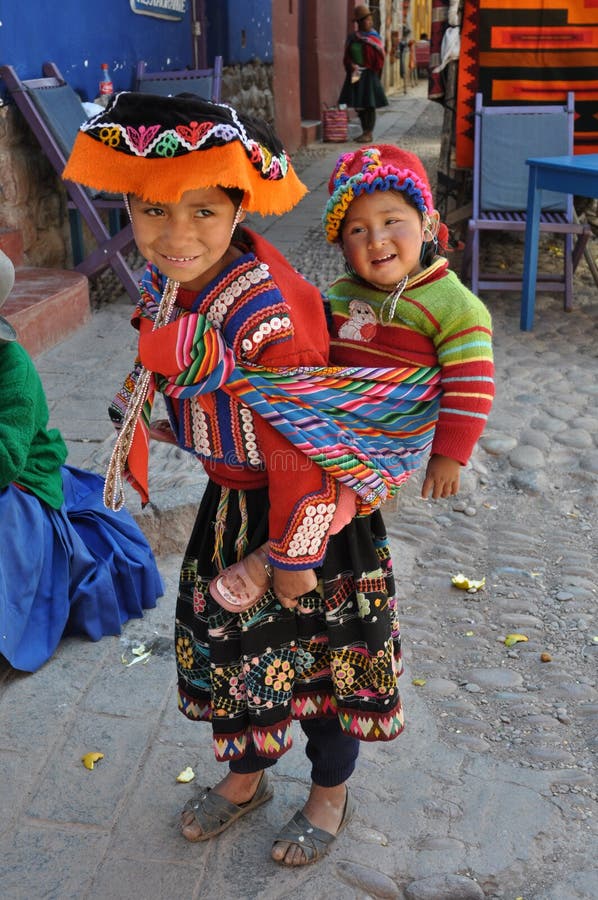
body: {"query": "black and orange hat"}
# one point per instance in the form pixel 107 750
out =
pixel 159 147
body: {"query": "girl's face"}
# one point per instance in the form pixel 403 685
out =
pixel 382 238
pixel 189 241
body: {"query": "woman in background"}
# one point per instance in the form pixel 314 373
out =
pixel 363 61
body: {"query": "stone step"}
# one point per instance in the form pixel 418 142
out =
pixel 46 306
pixel 311 131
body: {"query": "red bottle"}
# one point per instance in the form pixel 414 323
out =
pixel 106 86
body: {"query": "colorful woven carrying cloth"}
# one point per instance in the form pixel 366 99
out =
pixel 159 147
pixel 367 427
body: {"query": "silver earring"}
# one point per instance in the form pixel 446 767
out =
pixel 127 206
pixel 236 220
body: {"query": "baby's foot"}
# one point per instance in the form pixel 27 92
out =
pixel 241 585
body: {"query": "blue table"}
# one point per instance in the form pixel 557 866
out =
pixel 567 174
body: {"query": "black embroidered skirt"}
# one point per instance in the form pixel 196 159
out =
pixel 251 674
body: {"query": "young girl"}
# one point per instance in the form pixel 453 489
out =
pixel 67 564
pixel 400 303
pixel 214 294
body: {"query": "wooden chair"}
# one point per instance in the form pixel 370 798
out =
pixel 505 136
pixel 207 83
pixel 54 113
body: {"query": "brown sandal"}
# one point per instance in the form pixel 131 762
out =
pixel 214 814
pixel 314 842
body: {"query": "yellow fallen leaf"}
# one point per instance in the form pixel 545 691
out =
pixel 468 584
pixel 469 634
pixel 418 682
pixel 141 656
pixel 186 775
pixel 91 758
pixel 515 639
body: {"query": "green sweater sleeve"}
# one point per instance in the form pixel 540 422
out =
pixel 30 454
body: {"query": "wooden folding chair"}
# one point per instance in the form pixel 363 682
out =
pixel 206 83
pixel 505 136
pixel 54 113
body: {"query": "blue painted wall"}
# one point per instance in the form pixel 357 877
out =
pixel 79 36
pixel 240 30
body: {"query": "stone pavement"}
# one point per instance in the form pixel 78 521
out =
pixel 491 791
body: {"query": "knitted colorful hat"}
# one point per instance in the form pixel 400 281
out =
pixel 160 147
pixel 382 167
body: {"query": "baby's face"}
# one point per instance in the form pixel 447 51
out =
pixel 188 241
pixel 382 237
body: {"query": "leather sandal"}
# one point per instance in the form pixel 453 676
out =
pixel 314 842
pixel 214 814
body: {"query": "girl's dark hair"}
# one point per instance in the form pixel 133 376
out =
pixel 235 195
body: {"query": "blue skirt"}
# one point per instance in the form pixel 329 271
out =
pixel 81 569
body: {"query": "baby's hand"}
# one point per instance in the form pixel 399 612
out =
pixel 288 584
pixel 442 477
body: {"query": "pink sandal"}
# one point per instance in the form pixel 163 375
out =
pixel 240 586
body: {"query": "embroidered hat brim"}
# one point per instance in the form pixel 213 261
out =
pixel 159 147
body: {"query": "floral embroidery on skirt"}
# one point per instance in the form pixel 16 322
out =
pixel 338 654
